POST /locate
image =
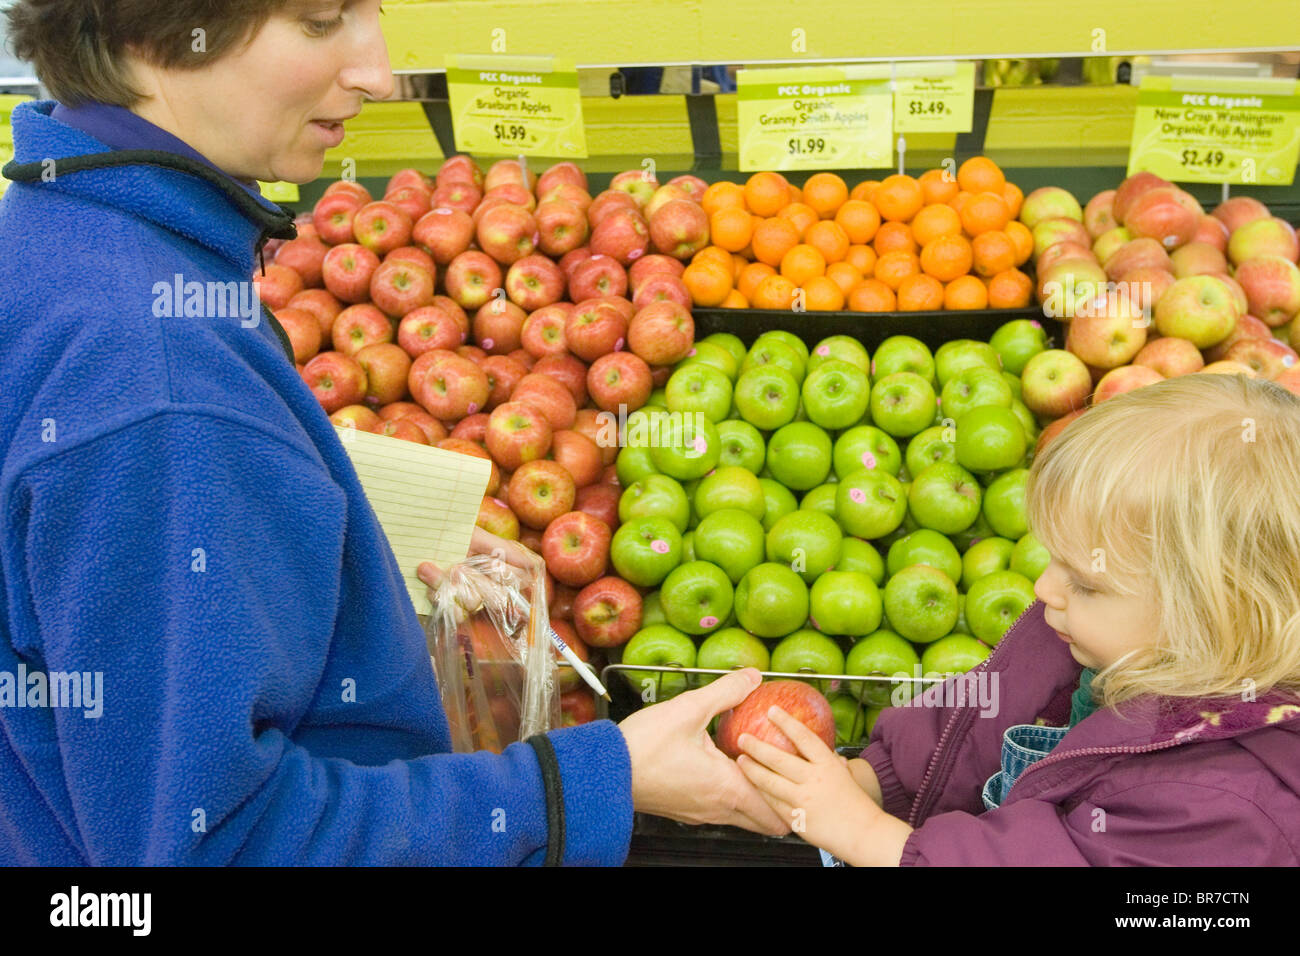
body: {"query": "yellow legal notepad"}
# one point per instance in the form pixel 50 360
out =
pixel 427 500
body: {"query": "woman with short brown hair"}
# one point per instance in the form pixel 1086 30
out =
pixel 183 539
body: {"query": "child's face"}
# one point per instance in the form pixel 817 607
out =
pixel 1099 624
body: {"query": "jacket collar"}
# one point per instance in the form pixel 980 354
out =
pixel 176 192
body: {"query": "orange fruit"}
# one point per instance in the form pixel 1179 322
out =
pixel 872 296
pixel 803 262
pixel 829 238
pixel 738 263
pixel 1010 290
pixel 801 214
pixel 708 282
pixel 946 257
pixel 826 193
pixel 864 190
pixel 993 252
pixel 920 293
pixel 894 237
pixel 774 292
pixel 898 198
pixel 965 292
pixel 935 220
pixel 893 267
pixel 859 220
pixel 751 276
pixel 980 174
pixel 735 300
pixel 843 275
pixel 958 202
pixel 1014 197
pixel 731 228
pixel 766 193
pixel 937 186
pixel 795 193
pixel 773 238
pixel 984 212
pixel 862 258
pixel 1023 238
pixel 821 294
pixel 723 195
pixel 714 254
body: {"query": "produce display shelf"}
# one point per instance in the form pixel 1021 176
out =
pixel 932 328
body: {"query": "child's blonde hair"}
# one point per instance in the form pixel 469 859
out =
pixel 1186 492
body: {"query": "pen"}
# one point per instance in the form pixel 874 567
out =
pixel 585 672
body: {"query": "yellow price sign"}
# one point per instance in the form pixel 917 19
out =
pixel 940 100
pixel 7 104
pixel 813 118
pixel 516 106
pixel 1217 130
pixel 280 192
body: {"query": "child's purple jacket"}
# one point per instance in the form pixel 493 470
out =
pixel 1168 781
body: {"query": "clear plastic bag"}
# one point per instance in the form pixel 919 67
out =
pixel 488 636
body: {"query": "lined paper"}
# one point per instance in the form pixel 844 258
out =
pixel 427 500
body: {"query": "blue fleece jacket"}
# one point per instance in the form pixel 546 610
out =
pixel 178 516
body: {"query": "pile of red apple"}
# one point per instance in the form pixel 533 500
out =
pixel 498 315
pixel 1181 290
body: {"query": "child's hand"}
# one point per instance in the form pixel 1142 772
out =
pixel 818 796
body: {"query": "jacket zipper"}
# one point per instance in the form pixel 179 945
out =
pixel 1093 751
pixel 940 763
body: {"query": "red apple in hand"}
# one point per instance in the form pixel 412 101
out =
pixel 541 491
pixel 576 548
pixel 336 380
pixel 801 701
pixel 607 612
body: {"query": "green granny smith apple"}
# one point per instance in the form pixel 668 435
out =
pixel 742 445
pixel 850 719
pixel 778 501
pixel 699 388
pixel 655 495
pixel 729 486
pixel 714 355
pixel 730 649
pixel 821 498
pixel 971 388
pixel 990 438
pixel 777 353
pixel 771 601
pixel 767 396
pixel 921 602
pixel 870 504
pixel 688 446
pixel 731 539
pixel 954 654
pixel 859 555
pixel 645 549
pixel 658 646
pixel 633 464
pixel 786 338
pixel 925 547
pixel 697 597
pixel 960 354
pixel 809 652
pixel 835 394
pixel 799 455
pixel 1004 504
pixel 995 601
pixel 902 404
pixel 882 654
pixel 936 443
pixel 902 353
pixel 729 342
pixel 945 498
pixel 1029 557
pixel 985 557
pixel 1017 342
pixel 806 541
pixel 865 446
pixel 846 603
pixel 842 347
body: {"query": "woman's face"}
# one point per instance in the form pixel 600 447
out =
pixel 271 109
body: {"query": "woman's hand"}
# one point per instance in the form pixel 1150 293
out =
pixel 526 563
pixel 821 799
pixel 678 773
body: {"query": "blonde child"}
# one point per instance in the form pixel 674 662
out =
pixel 1172 515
